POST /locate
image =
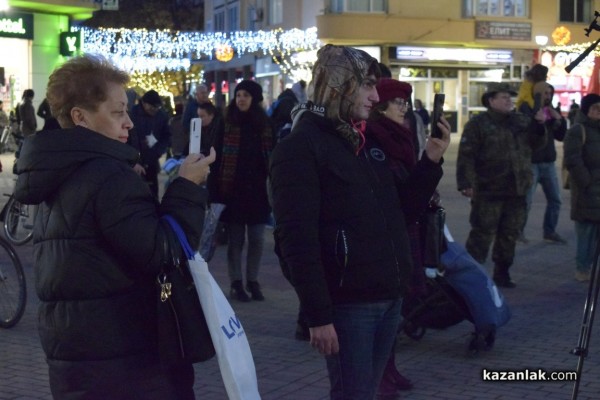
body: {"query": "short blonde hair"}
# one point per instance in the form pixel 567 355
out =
pixel 81 82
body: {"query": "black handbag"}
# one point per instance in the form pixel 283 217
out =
pixel 183 335
pixel 432 234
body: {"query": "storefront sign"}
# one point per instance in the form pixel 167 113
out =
pixel 452 54
pixel 503 30
pixel 16 25
pixel 70 43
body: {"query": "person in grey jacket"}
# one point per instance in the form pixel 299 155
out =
pixel 97 242
pixel 582 159
pixel 28 120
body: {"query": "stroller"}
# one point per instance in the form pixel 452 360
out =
pixel 462 291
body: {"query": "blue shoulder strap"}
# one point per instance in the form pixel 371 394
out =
pixel 189 253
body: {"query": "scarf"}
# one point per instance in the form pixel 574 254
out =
pixel 232 139
pixel 396 141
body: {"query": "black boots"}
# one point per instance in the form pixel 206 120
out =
pixel 502 277
pixel 254 289
pixel 238 292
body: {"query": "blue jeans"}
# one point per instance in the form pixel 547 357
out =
pixel 366 334
pixel 236 239
pixel 545 174
pixel 587 238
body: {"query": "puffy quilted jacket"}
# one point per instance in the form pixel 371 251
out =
pixel 97 245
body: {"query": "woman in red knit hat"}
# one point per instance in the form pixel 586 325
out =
pixel 387 127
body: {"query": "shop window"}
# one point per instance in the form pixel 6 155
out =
pixel 275 12
pixel 496 8
pixel 361 6
pixel 233 17
pixel 444 73
pixel 219 18
pixel 227 17
pixel 575 10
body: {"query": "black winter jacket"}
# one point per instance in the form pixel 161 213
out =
pixel 97 244
pixel 340 231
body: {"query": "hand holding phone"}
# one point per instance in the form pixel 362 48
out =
pixel 438 111
pixel 195 135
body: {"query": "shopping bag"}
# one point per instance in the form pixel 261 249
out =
pixel 207 240
pixel 226 330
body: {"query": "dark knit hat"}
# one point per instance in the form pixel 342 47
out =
pixel 496 87
pixel 251 87
pixel 151 97
pixel 587 101
pixel 389 89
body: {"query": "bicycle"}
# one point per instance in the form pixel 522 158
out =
pixel 18 221
pixel 13 287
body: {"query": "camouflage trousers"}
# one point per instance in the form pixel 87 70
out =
pixel 497 219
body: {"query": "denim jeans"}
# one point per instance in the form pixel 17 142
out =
pixel 587 238
pixel 545 174
pixel 237 236
pixel 366 334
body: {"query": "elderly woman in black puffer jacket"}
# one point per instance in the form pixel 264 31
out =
pixel 98 243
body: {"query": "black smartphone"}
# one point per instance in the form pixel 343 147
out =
pixel 438 111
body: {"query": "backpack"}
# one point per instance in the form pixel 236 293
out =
pixel 564 171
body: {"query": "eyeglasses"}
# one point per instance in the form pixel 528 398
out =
pixel 400 103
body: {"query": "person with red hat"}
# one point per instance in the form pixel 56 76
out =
pixel 387 130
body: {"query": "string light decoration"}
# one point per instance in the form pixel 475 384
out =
pixel 160 50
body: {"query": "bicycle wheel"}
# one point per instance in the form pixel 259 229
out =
pixel 13 288
pixel 18 222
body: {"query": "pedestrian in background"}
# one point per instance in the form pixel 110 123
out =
pixel 191 108
pixel 582 159
pixel 150 136
pixel 99 248
pixel 414 178
pixel 423 113
pixel 340 231
pixel 239 180
pixel 543 164
pixel 44 112
pixel 26 115
pixel 493 169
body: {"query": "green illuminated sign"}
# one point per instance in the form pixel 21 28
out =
pixel 16 25
pixel 70 43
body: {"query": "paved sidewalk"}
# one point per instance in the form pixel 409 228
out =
pixel 547 309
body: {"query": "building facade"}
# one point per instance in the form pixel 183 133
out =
pixel 30 44
pixel 450 46
pixel 458 46
pixel 255 15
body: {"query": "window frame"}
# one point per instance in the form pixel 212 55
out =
pixel 496 8
pixel 342 6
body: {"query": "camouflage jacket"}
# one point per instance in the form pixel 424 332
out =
pixel 494 155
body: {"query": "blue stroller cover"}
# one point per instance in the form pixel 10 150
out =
pixel 471 281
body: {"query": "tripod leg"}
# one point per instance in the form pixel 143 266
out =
pixel 588 318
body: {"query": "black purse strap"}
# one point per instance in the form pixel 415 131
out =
pixel 171 249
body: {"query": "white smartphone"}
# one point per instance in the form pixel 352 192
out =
pixel 195 135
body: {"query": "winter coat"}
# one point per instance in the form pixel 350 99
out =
pixel 557 128
pixel 582 159
pixel 281 113
pixel 144 125
pixel 341 234
pixel 494 155
pixel 28 124
pixel 97 250
pixel 245 200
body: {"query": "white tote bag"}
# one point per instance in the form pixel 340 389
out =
pixel 226 330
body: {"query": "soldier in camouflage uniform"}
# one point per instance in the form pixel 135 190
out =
pixel 494 170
